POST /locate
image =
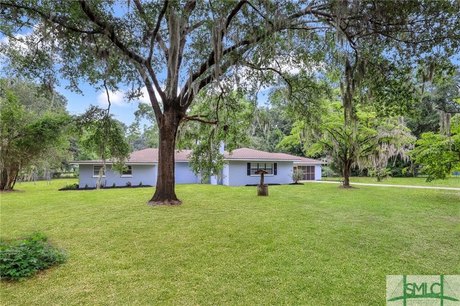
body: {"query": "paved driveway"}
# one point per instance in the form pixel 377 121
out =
pixel 387 185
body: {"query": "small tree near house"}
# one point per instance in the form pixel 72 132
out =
pixel 297 175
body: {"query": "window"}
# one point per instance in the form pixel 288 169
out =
pixel 261 166
pixel 308 172
pixel 127 171
pixel 96 170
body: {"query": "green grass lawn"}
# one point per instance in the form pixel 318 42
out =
pixel 415 181
pixel 313 244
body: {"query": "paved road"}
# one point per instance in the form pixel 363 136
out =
pixel 388 185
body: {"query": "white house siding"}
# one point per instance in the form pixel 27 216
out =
pixel 237 174
pixel 317 172
pixel 225 174
pixel 184 174
pixel 147 174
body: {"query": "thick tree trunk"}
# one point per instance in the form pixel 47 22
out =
pixel 165 193
pixel 8 178
pixel 346 174
pixel 3 178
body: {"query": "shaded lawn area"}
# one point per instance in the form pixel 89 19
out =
pixel 414 181
pixel 312 244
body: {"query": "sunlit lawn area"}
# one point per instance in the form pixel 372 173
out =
pixel 313 244
pixel 414 181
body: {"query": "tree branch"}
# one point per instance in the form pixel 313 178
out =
pixel 205 66
pixel 52 18
pixel 155 33
pixel 200 119
pixel 109 31
pixel 155 81
pixel 278 72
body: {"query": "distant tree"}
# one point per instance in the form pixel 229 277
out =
pixel 268 126
pixel 344 144
pixel 392 140
pixel 439 153
pixel 143 132
pixel 27 137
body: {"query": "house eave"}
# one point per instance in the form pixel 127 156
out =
pixel 309 163
pixel 111 163
pixel 259 159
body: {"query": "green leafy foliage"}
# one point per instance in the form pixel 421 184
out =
pixel 393 140
pixel 73 186
pixel 269 125
pixel 29 137
pixel 297 175
pixel 143 132
pixel 24 258
pixel 438 154
pixel 104 137
pixel 212 122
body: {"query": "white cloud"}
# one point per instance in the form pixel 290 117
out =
pixel 145 98
pixel 120 98
pixel 18 42
pixel 116 98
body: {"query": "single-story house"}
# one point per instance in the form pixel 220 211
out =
pixel 239 169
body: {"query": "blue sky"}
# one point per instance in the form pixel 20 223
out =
pixel 121 108
pixel 77 103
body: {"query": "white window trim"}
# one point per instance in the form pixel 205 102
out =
pixel 127 175
pixel 103 175
pixel 261 162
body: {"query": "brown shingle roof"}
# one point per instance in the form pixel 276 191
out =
pixel 151 156
pixel 145 156
pixel 251 154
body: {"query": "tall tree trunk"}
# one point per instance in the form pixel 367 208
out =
pixel 14 181
pixel 8 177
pixel 346 174
pixel 165 193
pixel 348 91
pixel 3 179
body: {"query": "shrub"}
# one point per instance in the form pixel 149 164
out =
pixel 23 258
pixel 380 174
pixel 328 172
pixel 140 184
pixel 114 185
pixel 128 184
pixel 86 186
pixel 297 175
pixel 70 187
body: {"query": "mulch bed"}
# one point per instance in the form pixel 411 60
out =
pixel 111 187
